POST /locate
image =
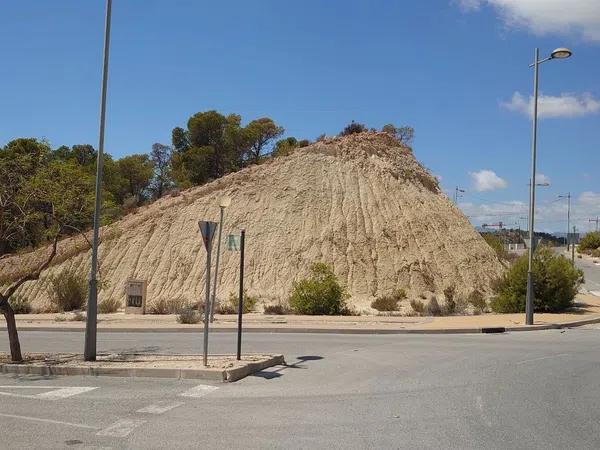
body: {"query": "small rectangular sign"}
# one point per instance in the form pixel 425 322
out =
pixel 233 243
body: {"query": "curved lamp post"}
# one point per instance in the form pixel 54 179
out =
pixel 559 53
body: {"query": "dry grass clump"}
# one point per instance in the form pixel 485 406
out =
pixel 168 306
pixel 109 306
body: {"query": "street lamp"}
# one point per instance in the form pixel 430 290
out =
pixel 223 203
pixel 568 197
pixel 559 53
pixel 91 324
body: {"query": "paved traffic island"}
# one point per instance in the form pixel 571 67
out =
pixel 224 368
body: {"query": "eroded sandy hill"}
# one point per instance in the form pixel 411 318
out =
pixel 361 203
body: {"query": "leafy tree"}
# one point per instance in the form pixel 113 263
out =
pixel 353 128
pixel 161 159
pixel 404 134
pixel 85 155
pixel 192 167
pixel 496 243
pixel 180 139
pixel 261 132
pixel 555 284
pixel 59 195
pixel 136 171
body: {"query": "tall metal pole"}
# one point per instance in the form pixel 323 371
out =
pixel 241 298
pixel 530 292
pixel 207 305
pixel 214 291
pixel 573 247
pixel 89 352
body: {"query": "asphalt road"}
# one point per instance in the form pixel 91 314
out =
pixel 591 271
pixel 519 390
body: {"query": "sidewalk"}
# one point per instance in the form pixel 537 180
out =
pixel 588 312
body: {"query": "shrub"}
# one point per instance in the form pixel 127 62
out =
pixel 450 305
pixel 225 309
pixel 389 302
pixel 279 309
pixel 164 306
pixel 555 283
pixel 68 291
pixel 20 304
pixel 418 306
pixel 590 241
pixel 433 308
pixel 319 294
pixel 353 128
pixel 189 315
pixel 249 303
pixel 477 301
pixel 109 306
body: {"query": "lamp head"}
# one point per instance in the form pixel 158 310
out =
pixel 225 201
pixel 561 53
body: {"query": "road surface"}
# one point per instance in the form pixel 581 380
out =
pixel 516 390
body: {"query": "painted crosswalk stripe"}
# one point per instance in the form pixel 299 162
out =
pixel 55 393
pixel 159 408
pixel 199 391
pixel 121 428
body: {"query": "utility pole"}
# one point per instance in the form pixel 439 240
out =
pixel 573 247
pixel 568 197
pixel 457 194
pixel 597 220
pixel 91 325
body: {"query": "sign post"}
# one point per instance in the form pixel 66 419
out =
pixel 208 232
pixel 241 298
pixel 237 244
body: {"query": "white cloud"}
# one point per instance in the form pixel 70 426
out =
pixel 487 180
pixel 565 105
pixel 540 178
pixel 581 17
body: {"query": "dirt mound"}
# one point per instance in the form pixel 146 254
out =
pixel 361 203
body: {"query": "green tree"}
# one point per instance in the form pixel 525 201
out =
pixel 136 171
pixel 404 134
pixel 180 139
pixel 192 167
pixel 161 159
pixel 59 195
pixel 262 132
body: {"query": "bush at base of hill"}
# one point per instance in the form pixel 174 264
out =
pixel 556 283
pixel 319 294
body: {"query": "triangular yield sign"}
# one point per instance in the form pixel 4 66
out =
pixel 208 231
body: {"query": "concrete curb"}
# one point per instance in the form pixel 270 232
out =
pixel 472 330
pixel 223 375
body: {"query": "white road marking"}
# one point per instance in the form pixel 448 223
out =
pixel 57 422
pixel 596 293
pixel 483 414
pixel 199 391
pixel 159 408
pixel 56 392
pixel 65 392
pixel 541 358
pixel 121 428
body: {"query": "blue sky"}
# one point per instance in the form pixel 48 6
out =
pixel 457 71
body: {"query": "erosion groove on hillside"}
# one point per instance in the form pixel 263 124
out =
pixel 361 203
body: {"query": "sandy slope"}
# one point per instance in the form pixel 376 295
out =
pixel 361 203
